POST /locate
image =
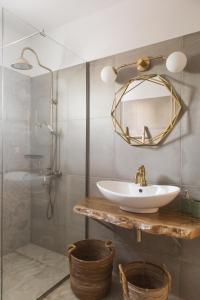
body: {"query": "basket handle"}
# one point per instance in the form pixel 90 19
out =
pixel 109 245
pixel 169 277
pixel 123 281
pixel 70 249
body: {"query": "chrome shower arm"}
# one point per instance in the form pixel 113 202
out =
pixel 37 58
pixel 52 102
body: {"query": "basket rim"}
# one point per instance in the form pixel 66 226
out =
pixel 147 263
pixel 94 261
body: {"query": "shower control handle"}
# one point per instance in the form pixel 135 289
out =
pixel 49 176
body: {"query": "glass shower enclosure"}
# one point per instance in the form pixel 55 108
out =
pixel 42 141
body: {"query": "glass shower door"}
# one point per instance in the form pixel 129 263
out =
pixel 1 152
pixel 44 128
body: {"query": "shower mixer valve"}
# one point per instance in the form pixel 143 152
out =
pixel 23 64
pixel 51 175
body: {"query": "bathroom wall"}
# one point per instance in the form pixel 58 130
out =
pixel 25 198
pixel 175 162
pixel 153 21
pixel 16 187
pixel 65 227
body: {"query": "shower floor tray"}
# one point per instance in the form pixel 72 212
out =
pixel 30 271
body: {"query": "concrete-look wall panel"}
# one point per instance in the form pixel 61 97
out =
pixel 175 161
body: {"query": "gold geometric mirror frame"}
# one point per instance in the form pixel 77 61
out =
pixel 146 138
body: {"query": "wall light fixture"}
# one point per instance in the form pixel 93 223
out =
pixel 175 63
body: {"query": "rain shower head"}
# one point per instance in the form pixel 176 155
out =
pixel 22 64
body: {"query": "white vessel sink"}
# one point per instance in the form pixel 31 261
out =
pixel 135 198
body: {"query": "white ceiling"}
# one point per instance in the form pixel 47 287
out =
pixel 97 28
pixel 129 24
pixel 48 14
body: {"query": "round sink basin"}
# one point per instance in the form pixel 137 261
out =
pixel 135 198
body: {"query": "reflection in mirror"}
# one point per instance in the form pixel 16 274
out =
pixel 145 110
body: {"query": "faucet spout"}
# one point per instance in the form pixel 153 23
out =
pixel 140 176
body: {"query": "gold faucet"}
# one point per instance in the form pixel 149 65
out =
pixel 140 176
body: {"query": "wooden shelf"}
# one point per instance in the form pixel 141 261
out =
pixel 165 222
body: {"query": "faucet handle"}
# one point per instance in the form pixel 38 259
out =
pixel 140 176
pixel 142 168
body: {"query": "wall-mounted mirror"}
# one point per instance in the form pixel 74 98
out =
pixel 145 110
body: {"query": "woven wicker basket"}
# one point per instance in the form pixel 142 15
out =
pixel 91 264
pixel 144 281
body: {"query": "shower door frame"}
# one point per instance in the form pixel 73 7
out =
pixel 2 141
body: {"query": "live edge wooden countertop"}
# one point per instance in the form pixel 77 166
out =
pixel 165 222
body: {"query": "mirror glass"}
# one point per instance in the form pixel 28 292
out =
pixel 145 110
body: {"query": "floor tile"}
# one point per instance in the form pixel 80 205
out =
pixel 44 256
pixel 30 271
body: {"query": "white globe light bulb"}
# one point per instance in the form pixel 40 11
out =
pixel 108 74
pixel 176 62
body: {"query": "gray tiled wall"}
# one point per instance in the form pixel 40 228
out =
pixel 175 162
pixel 25 199
pixel 65 227
pixel 16 190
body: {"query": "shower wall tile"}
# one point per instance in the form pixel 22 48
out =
pixel 16 212
pixel 75 224
pixel 40 165
pixel 64 227
pixel 48 235
pixel 40 99
pixel 77 100
pixel 72 146
pixel 71 93
pixel 17 96
pixel 63 95
pixel 40 135
pixel 75 192
pixel 63 128
pixel 40 201
pixel 16 143
pixel 75 147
